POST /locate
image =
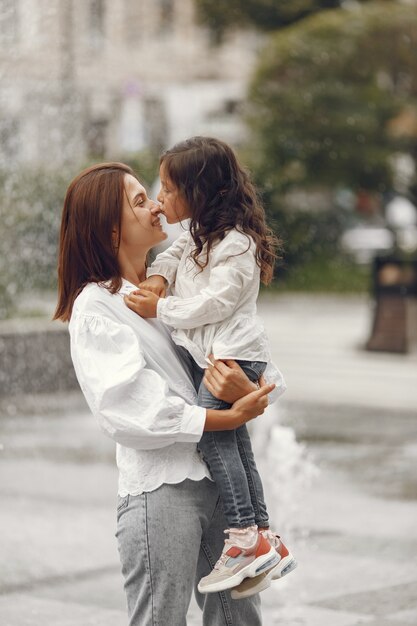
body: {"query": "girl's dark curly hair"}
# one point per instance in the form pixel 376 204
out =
pixel 220 195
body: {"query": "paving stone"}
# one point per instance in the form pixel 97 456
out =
pixel 381 602
pixel 389 621
pixel 26 610
pixel 409 616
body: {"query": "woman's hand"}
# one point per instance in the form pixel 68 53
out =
pixel 227 381
pixel 142 302
pixel 156 284
pixel 243 410
pixel 252 405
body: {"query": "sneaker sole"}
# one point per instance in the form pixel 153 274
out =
pixel 264 562
pixel 284 567
pixel 263 582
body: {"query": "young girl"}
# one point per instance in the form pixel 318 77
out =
pixel 213 271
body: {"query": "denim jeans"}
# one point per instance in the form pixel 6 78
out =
pixel 229 456
pixel 168 540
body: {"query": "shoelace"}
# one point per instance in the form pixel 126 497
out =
pixel 223 557
pixel 227 542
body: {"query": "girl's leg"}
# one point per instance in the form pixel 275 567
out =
pixel 253 477
pixel 253 370
pixel 221 453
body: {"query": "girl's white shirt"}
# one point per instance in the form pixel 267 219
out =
pixel 213 310
pixel 139 388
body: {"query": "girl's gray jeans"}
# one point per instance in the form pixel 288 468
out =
pixel 168 539
pixel 229 456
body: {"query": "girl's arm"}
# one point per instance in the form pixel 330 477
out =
pixel 232 270
pixel 166 263
pixel 131 402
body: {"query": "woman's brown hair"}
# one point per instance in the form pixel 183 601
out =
pixel 221 196
pixel 87 251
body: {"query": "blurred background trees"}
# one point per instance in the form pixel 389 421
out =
pixel 225 15
pixel 30 216
pixel 327 91
pixel 334 98
pixel 333 105
pixel 332 111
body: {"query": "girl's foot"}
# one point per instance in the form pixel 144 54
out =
pixel 238 563
pixel 286 564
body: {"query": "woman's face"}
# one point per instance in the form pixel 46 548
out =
pixel 173 206
pixel 141 228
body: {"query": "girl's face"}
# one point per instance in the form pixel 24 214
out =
pixel 141 228
pixel 173 205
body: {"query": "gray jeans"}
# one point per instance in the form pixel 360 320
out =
pixel 168 539
pixel 229 456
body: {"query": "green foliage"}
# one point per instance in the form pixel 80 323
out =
pixel 145 164
pixel 306 235
pixel 326 95
pixel 312 260
pixel 30 208
pixel 223 15
pixel 326 274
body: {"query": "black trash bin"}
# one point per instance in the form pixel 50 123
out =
pixel 394 285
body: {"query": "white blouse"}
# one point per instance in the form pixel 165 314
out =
pixel 213 310
pixel 139 388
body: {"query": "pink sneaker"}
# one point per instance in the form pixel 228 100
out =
pixel 237 563
pixel 286 564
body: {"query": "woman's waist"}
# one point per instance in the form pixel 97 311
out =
pixel 146 469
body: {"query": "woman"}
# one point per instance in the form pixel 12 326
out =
pixel 170 521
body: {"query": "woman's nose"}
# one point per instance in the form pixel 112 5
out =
pixel 155 208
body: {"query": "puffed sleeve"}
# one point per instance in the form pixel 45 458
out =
pixel 166 263
pixel 131 402
pixel 232 269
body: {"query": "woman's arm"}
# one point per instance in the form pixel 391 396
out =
pixel 132 402
pixel 227 381
pixel 250 406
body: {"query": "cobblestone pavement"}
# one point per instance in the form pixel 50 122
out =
pixel 345 496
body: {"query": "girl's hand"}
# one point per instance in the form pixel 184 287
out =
pixel 156 284
pixel 142 302
pixel 227 381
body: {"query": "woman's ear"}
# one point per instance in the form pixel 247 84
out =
pixel 115 239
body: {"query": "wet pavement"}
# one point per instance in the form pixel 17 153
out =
pixel 344 494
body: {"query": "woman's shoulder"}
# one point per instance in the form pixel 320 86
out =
pixel 95 300
pixel 101 316
pixel 90 295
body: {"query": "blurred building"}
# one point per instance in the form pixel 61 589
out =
pixel 110 77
